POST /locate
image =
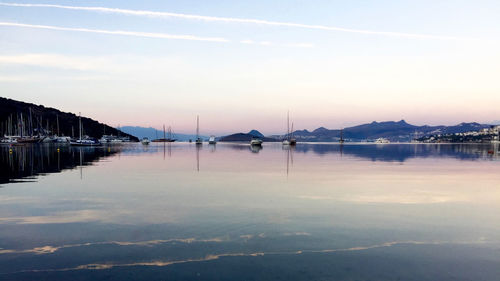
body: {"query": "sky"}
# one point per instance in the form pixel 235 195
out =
pixel 242 65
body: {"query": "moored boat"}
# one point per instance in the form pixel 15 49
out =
pixel 87 141
pixel 170 137
pixel 49 139
pixel 293 141
pixel 198 141
pixel 256 141
pixel 35 139
pixel 63 139
pixel 382 140
pixel 9 139
pixel 341 140
pixel 289 139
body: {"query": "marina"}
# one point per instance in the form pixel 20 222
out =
pixel 249 140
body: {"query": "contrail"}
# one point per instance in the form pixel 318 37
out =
pixel 154 35
pixel 118 32
pixel 236 20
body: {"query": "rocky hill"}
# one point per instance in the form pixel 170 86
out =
pixel 45 119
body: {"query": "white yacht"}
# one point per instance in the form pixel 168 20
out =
pixel 212 140
pixel 256 141
pixel 382 140
pixel 145 141
pixel 63 139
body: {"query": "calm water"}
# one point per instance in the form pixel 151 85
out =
pixel 227 212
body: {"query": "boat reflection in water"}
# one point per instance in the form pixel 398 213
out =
pixel 255 148
pixel 400 152
pixel 310 212
pixel 30 160
pixel 26 162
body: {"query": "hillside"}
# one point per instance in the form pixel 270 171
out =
pixel 44 118
pixel 246 137
pixel 394 131
pixel 153 133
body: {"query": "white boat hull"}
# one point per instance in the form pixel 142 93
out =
pixel 256 142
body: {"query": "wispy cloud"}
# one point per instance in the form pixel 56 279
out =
pixel 118 32
pixel 267 43
pixel 153 35
pixel 236 20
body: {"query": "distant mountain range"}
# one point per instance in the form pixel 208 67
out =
pixel 153 133
pixel 391 130
pixel 45 119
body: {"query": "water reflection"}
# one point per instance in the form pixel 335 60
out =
pixel 311 206
pixel 255 148
pixel 403 152
pixel 289 157
pixel 198 148
pixel 29 161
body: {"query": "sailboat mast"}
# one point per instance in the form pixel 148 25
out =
pixel 197 126
pixel 163 131
pixel 31 124
pixel 80 121
pixel 22 125
pixel 288 125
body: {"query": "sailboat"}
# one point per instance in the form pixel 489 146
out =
pixel 255 141
pixel 341 140
pixel 27 139
pixel 198 139
pixel 289 140
pixel 293 141
pixel 85 141
pixel 165 139
pixel 286 141
pixel 60 139
pixel 170 135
